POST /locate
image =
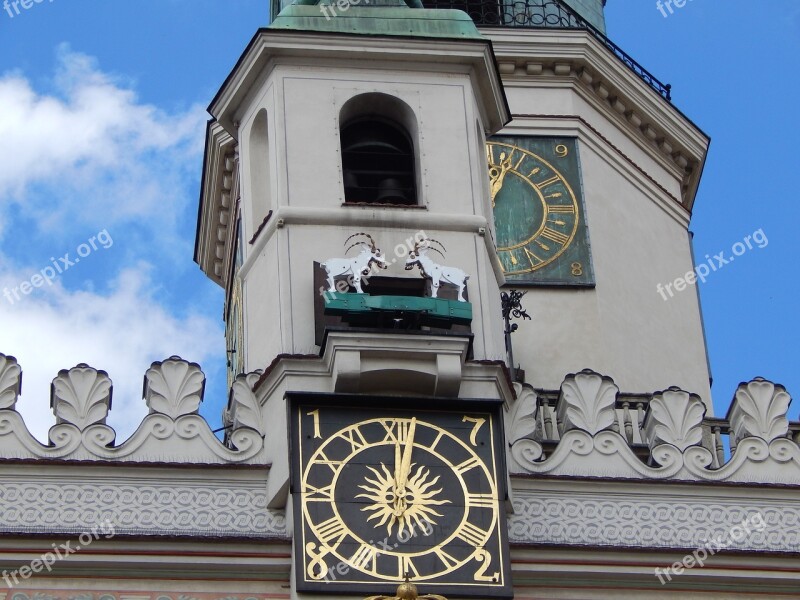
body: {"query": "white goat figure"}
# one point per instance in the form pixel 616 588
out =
pixel 435 272
pixel 356 267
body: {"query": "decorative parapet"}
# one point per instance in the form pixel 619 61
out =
pixel 174 387
pixel 10 382
pixel 173 432
pixel 586 403
pixel 674 417
pixel 81 396
pixel 520 428
pixel 759 410
pixel 244 410
pixel 599 432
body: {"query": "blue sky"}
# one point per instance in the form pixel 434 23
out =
pixel 101 136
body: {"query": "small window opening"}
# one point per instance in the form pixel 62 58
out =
pixel 378 163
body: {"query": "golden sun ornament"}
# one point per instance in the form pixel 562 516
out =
pixel 407 506
pixel 398 498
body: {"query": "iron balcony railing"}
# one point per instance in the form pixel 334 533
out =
pixel 549 14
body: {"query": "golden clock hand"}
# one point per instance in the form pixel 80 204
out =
pixel 397 463
pixel 405 465
pixel 498 174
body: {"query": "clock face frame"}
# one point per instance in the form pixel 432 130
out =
pixel 539 215
pixel 381 492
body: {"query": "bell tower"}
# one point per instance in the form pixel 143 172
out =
pixel 488 147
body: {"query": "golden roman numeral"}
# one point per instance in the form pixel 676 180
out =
pixel 406 567
pixel 436 441
pixel 555 236
pixel 468 464
pixel 315 494
pixel 356 439
pixel 531 256
pixel 569 208
pixel 365 555
pixel 323 459
pixel 396 430
pixel 332 529
pixel 472 534
pixel 481 500
pixel 449 561
pixel 546 182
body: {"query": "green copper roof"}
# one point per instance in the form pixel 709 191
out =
pixel 381 17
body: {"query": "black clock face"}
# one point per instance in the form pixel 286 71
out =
pixel 385 493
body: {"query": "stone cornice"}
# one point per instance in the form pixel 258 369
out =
pixel 473 57
pixel 574 58
pixel 575 125
pixel 217 203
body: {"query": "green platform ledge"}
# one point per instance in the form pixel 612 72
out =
pixel 376 17
pixel 359 305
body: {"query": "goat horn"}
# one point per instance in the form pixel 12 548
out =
pixel 440 243
pixel 371 241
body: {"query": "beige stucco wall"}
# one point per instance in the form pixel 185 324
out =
pixel 639 239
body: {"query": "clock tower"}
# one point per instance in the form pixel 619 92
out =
pixel 347 157
pixel 356 146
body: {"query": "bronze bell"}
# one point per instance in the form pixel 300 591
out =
pixel 390 191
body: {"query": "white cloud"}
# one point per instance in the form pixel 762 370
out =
pixel 92 153
pixel 121 332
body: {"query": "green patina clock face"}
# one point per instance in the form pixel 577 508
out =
pixel 538 209
pixel 381 493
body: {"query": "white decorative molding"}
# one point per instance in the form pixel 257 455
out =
pixel 162 508
pixel 520 427
pixel 755 461
pixel 81 396
pixel 10 382
pixel 174 387
pixel 628 519
pixel 759 410
pixel 172 433
pixel 606 454
pixel 244 409
pixel 680 441
pixel 674 417
pixel 586 402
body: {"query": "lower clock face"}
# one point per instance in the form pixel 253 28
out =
pixel 387 493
